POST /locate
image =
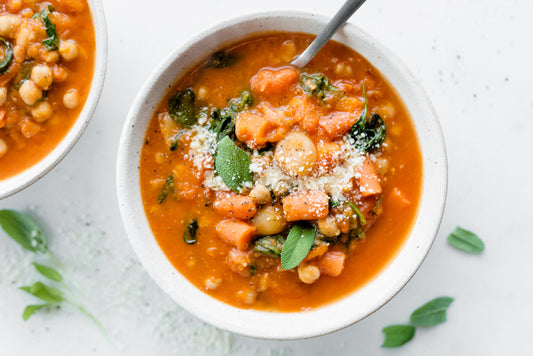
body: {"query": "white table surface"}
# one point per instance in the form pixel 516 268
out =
pixel 475 60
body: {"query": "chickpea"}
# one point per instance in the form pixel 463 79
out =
pixel 30 93
pixel 296 154
pixel 68 50
pixel 60 73
pixel 71 99
pixel 344 70
pixel 260 194
pixel 308 274
pixel 41 75
pixel 328 226
pixel 9 25
pixel 202 93
pixel 50 56
pixel 3 148
pixel 3 95
pixel 269 220
pixel 42 111
pixel 213 283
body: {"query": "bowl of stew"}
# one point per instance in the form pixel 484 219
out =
pixel 52 68
pixel 278 202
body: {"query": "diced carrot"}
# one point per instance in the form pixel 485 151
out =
pixel 317 251
pixel 349 104
pixel 367 178
pixel 400 196
pixel 252 129
pixel 236 233
pixel 332 263
pixel 311 205
pixel 338 123
pixel 235 206
pixel 239 261
pixel 269 81
pixel 306 113
pixel 329 155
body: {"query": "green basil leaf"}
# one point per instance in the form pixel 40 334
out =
pixel 189 235
pixel 270 245
pixel 23 230
pixel 222 59
pixel 466 241
pixel 432 313
pixel 48 272
pixel 299 242
pixel 8 55
pixel 181 108
pixel 44 292
pixel 31 309
pixel 52 42
pixel 358 212
pixel 397 335
pixel 232 164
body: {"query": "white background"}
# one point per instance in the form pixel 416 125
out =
pixel 475 60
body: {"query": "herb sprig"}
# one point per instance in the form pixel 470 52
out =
pixel 27 233
pixel 466 241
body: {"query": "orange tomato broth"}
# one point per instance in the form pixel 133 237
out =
pixel 207 258
pixel 22 152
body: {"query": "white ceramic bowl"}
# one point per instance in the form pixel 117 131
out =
pixel 23 179
pixel 269 325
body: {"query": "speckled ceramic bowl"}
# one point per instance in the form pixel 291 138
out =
pixel 271 325
pixel 27 177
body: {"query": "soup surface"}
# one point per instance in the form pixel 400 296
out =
pixel 47 51
pixel 274 188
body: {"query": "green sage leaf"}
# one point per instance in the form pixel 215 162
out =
pixel 44 292
pixel 181 108
pixel 233 164
pixel 397 335
pixel 466 241
pixel 21 228
pixel 299 242
pixel 48 272
pixel 432 313
pixel 31 309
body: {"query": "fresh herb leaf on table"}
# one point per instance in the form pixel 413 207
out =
pixel 397 335
pixel 466 241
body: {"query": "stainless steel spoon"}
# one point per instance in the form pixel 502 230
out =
pixel 340 18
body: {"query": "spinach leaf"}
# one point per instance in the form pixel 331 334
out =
pixel 23 230
pixel 222 123
pixel 242 103
pixel 176 140
pixel 31 309
pixel 181 108
pixel 44 292
pixel 270 245
pixel 8 55
pixel 48 272
pixel 368 135
pixel 432 313
pixel 52 42
pixel 167 186
pixel 358 212
pixel 466 241
pixel 299 242
pixel 24 74
pixel 222 59
pixel 397 335
pixel 317 85
pixel 233 164
pixel 189 235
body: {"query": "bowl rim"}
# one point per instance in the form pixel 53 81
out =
pixel 248 321
pixel 27 177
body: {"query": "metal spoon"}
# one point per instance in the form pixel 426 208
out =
pixel 340 18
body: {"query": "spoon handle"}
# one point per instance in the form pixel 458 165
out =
pixel 340 18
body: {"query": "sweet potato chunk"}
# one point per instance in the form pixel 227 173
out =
pixel 332 263
pixel 235 206
pixel 338 123
pixel 236 233
pixel 273 82
pixel 367 178
pixel 311 205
